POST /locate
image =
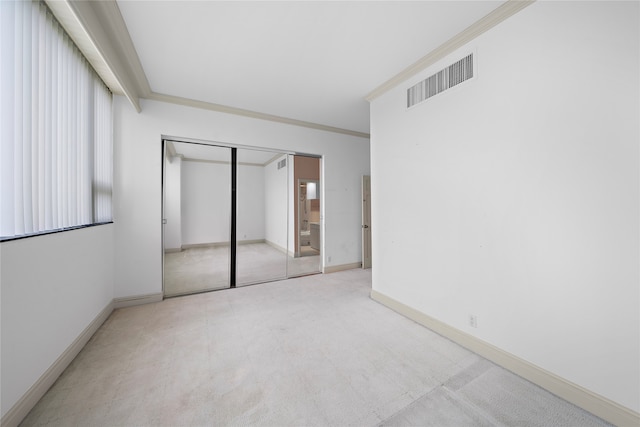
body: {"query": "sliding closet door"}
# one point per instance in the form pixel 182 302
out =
pixel 238 216
pixel 197 218
pixel 261 216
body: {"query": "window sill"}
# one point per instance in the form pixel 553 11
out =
pixel 59 230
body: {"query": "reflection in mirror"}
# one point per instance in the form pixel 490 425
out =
pixel 277 217
pixel 197 206
pixel 306 217
pixel 262 193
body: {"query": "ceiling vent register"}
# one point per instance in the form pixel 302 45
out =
pixel 444 79
pixel 282 163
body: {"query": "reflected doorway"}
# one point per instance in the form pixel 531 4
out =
pixel 308 218
pixel 234 216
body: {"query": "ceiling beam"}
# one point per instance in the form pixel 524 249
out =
pixel 97 27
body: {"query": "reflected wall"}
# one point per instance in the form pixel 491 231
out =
pixel 197 216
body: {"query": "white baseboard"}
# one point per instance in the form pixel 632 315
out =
pixel 137 300
pixel 204 245
pixel 250 242
pixel 341 267
pixel 22 407
pixel 579 396
pixel 16 414
pixel 219 244
pixel 281 249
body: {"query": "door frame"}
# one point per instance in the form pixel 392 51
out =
pixel 366 221
pixel 297 229
pixel 164 139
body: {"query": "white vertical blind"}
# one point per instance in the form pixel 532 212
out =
pixel 56 127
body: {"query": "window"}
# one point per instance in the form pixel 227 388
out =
pixel 56 128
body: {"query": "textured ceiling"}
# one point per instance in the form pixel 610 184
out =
pixel 310 61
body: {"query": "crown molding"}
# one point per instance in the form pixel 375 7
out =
pixel 252 114
pixel 99 30
pixel 504 11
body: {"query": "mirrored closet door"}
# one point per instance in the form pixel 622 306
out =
pixel 262 216
pixel 197 218
pixel 238 216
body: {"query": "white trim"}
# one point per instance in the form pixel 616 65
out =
pixel 251 242
pixel 171 150
pixel 498 15
pixel 279 248
pixel 101 33
pixel 227 144
pixel 19 411
pixel 218 244
pixel 219 162
pixel 69 21
pixel 99 30
pixel 205 245
pixel 579 396
pixel 109 13
pixel 137 300
pixel 252 114
pixel 341 267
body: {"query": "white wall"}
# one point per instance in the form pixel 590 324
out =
pixel 53 287
pixel 515 197
pixel 276 185
pixel 137 176
pixel 206 202
pixel 173 203
pixel 206 206
pixel 251 202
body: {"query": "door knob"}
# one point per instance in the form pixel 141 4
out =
pixel 365 226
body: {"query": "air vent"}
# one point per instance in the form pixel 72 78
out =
pixel 445 79
pixel 282 163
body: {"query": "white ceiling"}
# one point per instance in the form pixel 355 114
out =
pixel 306 60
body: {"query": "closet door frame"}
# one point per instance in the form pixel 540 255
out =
pixel 233 194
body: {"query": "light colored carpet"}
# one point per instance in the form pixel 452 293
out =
pixel 310 351
pixel 308 251
pixel 207 268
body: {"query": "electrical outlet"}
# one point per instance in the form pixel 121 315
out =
pixel 329 258
pixel 473 320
